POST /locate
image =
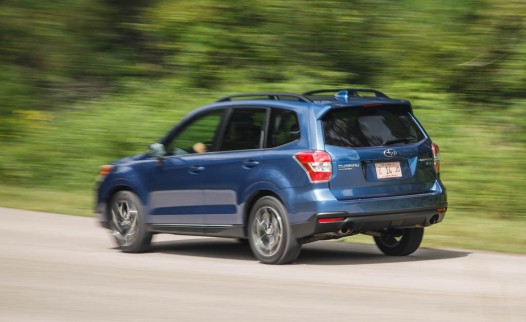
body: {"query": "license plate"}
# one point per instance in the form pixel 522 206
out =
pixel 386 170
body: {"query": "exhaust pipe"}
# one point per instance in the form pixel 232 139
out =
pixel 433 220
pixel 345 230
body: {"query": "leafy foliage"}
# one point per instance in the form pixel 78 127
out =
pixel 83 82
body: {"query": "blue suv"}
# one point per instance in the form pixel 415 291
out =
pixel 279 170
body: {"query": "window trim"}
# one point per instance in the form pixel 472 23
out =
pixel 226 114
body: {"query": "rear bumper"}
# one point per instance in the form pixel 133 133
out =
pixel 349 224
pixel 363 215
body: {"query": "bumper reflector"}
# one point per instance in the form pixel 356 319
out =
pixel 330 219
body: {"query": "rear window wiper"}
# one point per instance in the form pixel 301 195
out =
pixel 400 140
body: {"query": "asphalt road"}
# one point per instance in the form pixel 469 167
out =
pixel 65 268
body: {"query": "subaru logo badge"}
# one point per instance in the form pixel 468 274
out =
pixel 390 153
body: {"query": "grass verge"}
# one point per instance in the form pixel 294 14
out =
pixel 63 202
pixel 466 231
pixel 458 230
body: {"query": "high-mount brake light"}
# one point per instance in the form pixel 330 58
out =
pixel 317 164
pixel 436 157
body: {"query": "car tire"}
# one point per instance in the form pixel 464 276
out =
pixel 400 242
pixel 127 223
pixel 270 234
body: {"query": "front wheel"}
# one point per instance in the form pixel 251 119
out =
pixel 127 223
pixel 400 242
pixel 269 232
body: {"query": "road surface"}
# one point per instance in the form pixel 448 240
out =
pixel 65 268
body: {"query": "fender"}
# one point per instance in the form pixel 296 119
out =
pixel 283 194
pixel 126 178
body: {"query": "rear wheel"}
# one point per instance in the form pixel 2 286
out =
pixel 400 242
pixel 127 223
pixel 269 232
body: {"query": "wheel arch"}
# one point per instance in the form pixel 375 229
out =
pixel 251 200
pixel 123 185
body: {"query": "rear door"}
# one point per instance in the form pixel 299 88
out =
pixel 377 151
pixel 235 167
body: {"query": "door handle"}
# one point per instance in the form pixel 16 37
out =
pixel 196 168
pixel 250 163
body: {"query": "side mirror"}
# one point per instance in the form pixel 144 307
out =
pixel 157 150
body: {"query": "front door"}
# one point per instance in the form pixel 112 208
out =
pixel 176 195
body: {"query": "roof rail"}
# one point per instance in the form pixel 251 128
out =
pixel 350 92
pixel 276 96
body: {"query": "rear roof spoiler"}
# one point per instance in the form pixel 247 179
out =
pixel 340 92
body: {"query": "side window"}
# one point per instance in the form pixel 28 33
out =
pixel 284 127
pixel 244 129
pixel 198 135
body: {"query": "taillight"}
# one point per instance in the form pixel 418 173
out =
pixel 104 170
pixel 317 164
pixel 436 157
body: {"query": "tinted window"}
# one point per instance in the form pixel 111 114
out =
pixel 284 127
pixel 198 135
pixel 244 129
pixel 370 126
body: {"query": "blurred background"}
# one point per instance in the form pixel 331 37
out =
pixel 84 82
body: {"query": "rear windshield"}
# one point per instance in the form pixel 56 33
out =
pixel 357 127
